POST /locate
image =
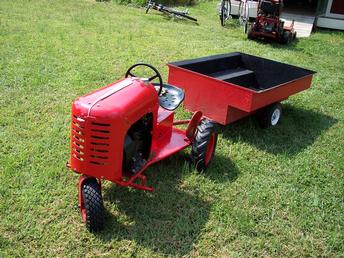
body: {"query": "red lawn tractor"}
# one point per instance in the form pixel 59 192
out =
pixel 118 131
pixel 269 25
pixel 121 129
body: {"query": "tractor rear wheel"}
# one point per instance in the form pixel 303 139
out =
pixel 270 115
pixel 204 144
pixel 94 207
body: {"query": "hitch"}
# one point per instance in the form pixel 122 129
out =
pixel 142 185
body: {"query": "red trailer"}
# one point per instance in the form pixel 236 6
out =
pixel 228 87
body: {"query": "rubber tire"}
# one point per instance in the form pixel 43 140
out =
pixel 222 18
pixel 93 202
pixel 249 33
pixel 286 37
pixel 202 138
pixel 265 115
pixel 246 27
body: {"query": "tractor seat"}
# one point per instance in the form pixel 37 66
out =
pixel 170 97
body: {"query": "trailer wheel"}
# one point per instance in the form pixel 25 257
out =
pixel 204 144
pixel 270 115
pixel 94 207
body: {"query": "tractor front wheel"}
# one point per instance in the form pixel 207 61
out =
pixel 93 203
pixel 204 144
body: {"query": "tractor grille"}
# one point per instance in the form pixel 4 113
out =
pixel 78 138
pixel 90 141
pixel 99 143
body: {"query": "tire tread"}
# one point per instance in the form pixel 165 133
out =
pixel 94 205
pixel 200 144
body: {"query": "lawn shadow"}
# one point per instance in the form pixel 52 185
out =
pixel 278 45
pixel 232 23
pixel 169 220
pixel 221 169
pixel 167 17
pixel 181 20
pixel 298 129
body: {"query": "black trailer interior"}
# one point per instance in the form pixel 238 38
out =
pixel 249 71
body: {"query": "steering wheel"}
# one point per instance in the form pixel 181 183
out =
pixel 156 75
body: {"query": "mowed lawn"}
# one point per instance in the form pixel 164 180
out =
pixel 275 193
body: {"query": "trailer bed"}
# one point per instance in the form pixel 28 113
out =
pixel 230 86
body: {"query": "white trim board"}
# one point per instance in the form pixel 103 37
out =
pixel 330 23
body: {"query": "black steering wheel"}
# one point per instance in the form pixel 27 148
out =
pixel 156 75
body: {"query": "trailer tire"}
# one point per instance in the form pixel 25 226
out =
pixel 204 144
pixel 270 116
pixel 94 207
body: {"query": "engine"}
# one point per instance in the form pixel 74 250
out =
pixel 137 144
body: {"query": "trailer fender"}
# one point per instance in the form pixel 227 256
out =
pixel 190 131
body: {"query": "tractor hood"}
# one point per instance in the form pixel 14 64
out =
pixel 100 121
pixel 124 98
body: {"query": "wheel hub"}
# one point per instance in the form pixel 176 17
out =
pixel 275 116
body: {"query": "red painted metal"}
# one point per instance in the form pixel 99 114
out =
pixel 142 185
pixel 165 123
pixel 210 149
pixel 100 121
pixel 181 122
pixel 190 131
pixel 209 95
pixel 81 198
pixel 163 148
pixel 226 102
pixel 192 124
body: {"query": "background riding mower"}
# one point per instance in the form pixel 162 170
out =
pixel 268 24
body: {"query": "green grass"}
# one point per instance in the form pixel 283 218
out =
pixel 276 192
